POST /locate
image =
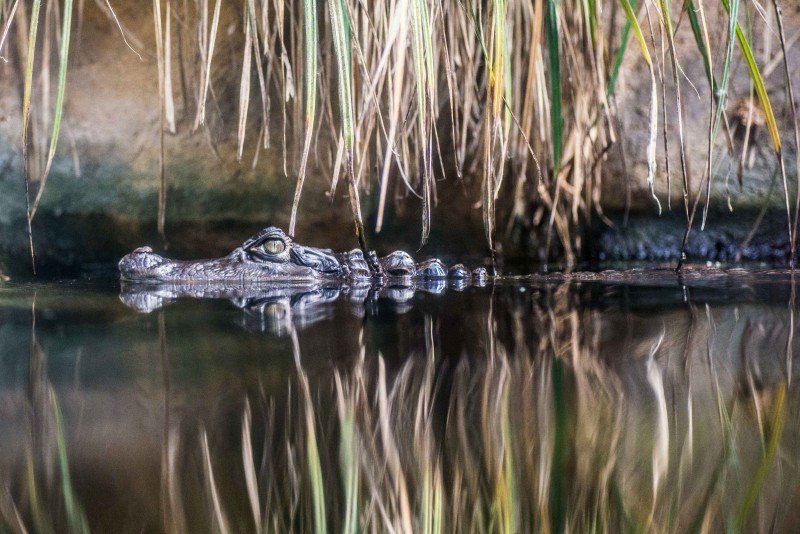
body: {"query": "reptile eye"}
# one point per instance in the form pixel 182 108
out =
pixel 273 246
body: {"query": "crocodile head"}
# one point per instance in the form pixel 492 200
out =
pixel 270 255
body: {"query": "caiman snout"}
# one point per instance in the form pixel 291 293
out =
pixel 140 264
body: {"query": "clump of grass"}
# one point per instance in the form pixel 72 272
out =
pixel 523 81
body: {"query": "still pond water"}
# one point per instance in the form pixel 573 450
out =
pixel 636 401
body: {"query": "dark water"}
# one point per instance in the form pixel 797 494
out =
pixel 623 402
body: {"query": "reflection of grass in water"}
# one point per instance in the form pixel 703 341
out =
pixel 500 444
pixel 47 510
pixel 43 510
pixel 493 441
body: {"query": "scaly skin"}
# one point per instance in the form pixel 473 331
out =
pixel 272 256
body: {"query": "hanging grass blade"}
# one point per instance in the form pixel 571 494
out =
pixel 162 188
pixel 398 32
pixel 210 41
pixel 425 82
pixel 260 72
pixel 26 110
pixel 348 461
pixel 758 81
pixel 556 121
pixel 169 102
pixel 310 31
pixel 57 112
pixel 623 46
pixel 244 83
pixel 7 25
pixel 651 145
pixel 493 130
pixel 340 28
pixel 793 108
pixel 694 22
pixel 733 12
pixel 666 18
pixel 772 126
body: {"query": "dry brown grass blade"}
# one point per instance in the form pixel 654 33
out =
pixel 207 45
pixel 310 47
pixel 220 521
pixel 249 466
pixel 7 26
pixel 244 84
pixel 30 56
pixel 162 189
pixel 169 101
pixel 398 32
pixel 793 107
pixel 261 81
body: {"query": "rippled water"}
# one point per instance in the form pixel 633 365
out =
pixel 620 401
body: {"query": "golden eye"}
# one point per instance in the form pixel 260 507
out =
pixel 273 246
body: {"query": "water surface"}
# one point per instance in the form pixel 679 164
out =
pixel 624 401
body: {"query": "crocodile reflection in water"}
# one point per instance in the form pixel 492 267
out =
pixel 272 256
pixel 277 306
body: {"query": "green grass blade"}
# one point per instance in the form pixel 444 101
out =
pixel 313 460
pixel 26 111
pixel 623 46
pixel 767 459
pixel 556 121
pixel 29 60
pixel 310 32
pixel 591 10
pixel 75 515
pixel 694 22
pixel 755 74
pixel 348 456
pixel 769 116
pixel 42 521
pixel 733 12
pixel 493 130
pixel 340 29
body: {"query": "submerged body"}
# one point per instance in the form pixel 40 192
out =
pixel 272 256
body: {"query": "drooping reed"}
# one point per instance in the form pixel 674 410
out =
pixel 486 89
